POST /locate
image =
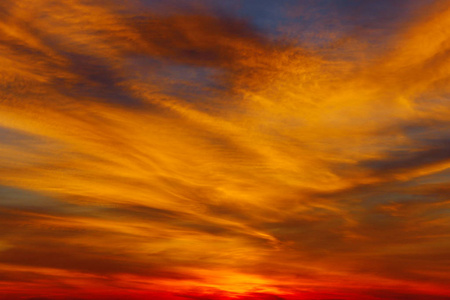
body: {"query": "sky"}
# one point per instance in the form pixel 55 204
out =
pixel 247 149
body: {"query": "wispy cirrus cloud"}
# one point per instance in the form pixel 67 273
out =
pixel 193 150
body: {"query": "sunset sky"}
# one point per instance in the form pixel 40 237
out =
pixel 227 149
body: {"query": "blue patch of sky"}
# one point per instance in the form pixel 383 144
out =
pixel 13 137
pixel 270 15
pixel 442 177
pixel 20 141
pixel 191 83
pixel 342 16
pixel 32 201
pixel 12 197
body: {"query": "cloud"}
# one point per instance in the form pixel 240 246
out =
pixel 186 151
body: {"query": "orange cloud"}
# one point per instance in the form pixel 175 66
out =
pixel 186 153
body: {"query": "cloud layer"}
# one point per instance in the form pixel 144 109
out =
pixel 192 150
